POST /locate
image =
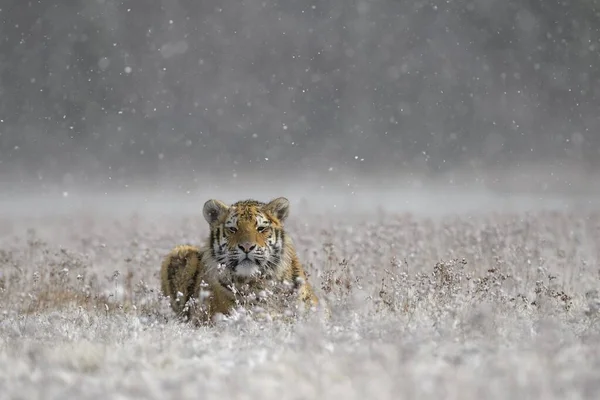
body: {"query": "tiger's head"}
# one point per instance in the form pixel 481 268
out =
pixel 248 237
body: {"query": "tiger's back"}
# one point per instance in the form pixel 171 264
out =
pixel 247 260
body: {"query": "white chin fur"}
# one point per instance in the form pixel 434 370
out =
pixel 246 269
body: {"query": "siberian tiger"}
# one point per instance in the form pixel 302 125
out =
pixel 248 259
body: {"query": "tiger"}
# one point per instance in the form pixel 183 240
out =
pixel 248 259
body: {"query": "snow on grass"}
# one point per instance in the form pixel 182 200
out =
pixel 460 306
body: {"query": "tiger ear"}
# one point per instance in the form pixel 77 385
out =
pixel 213 210
pixel 279 207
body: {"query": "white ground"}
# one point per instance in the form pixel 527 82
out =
pixel 428 336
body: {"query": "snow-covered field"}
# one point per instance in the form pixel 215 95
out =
pixel 434 297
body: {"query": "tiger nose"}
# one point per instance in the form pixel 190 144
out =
pixel 247 247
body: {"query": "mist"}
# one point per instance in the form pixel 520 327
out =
pixel 113 94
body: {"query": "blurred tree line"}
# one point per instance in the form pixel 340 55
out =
pixel 132 85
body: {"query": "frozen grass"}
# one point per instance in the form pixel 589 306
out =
pixel 488 305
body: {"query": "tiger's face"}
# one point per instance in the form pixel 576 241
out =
pixel 247 237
